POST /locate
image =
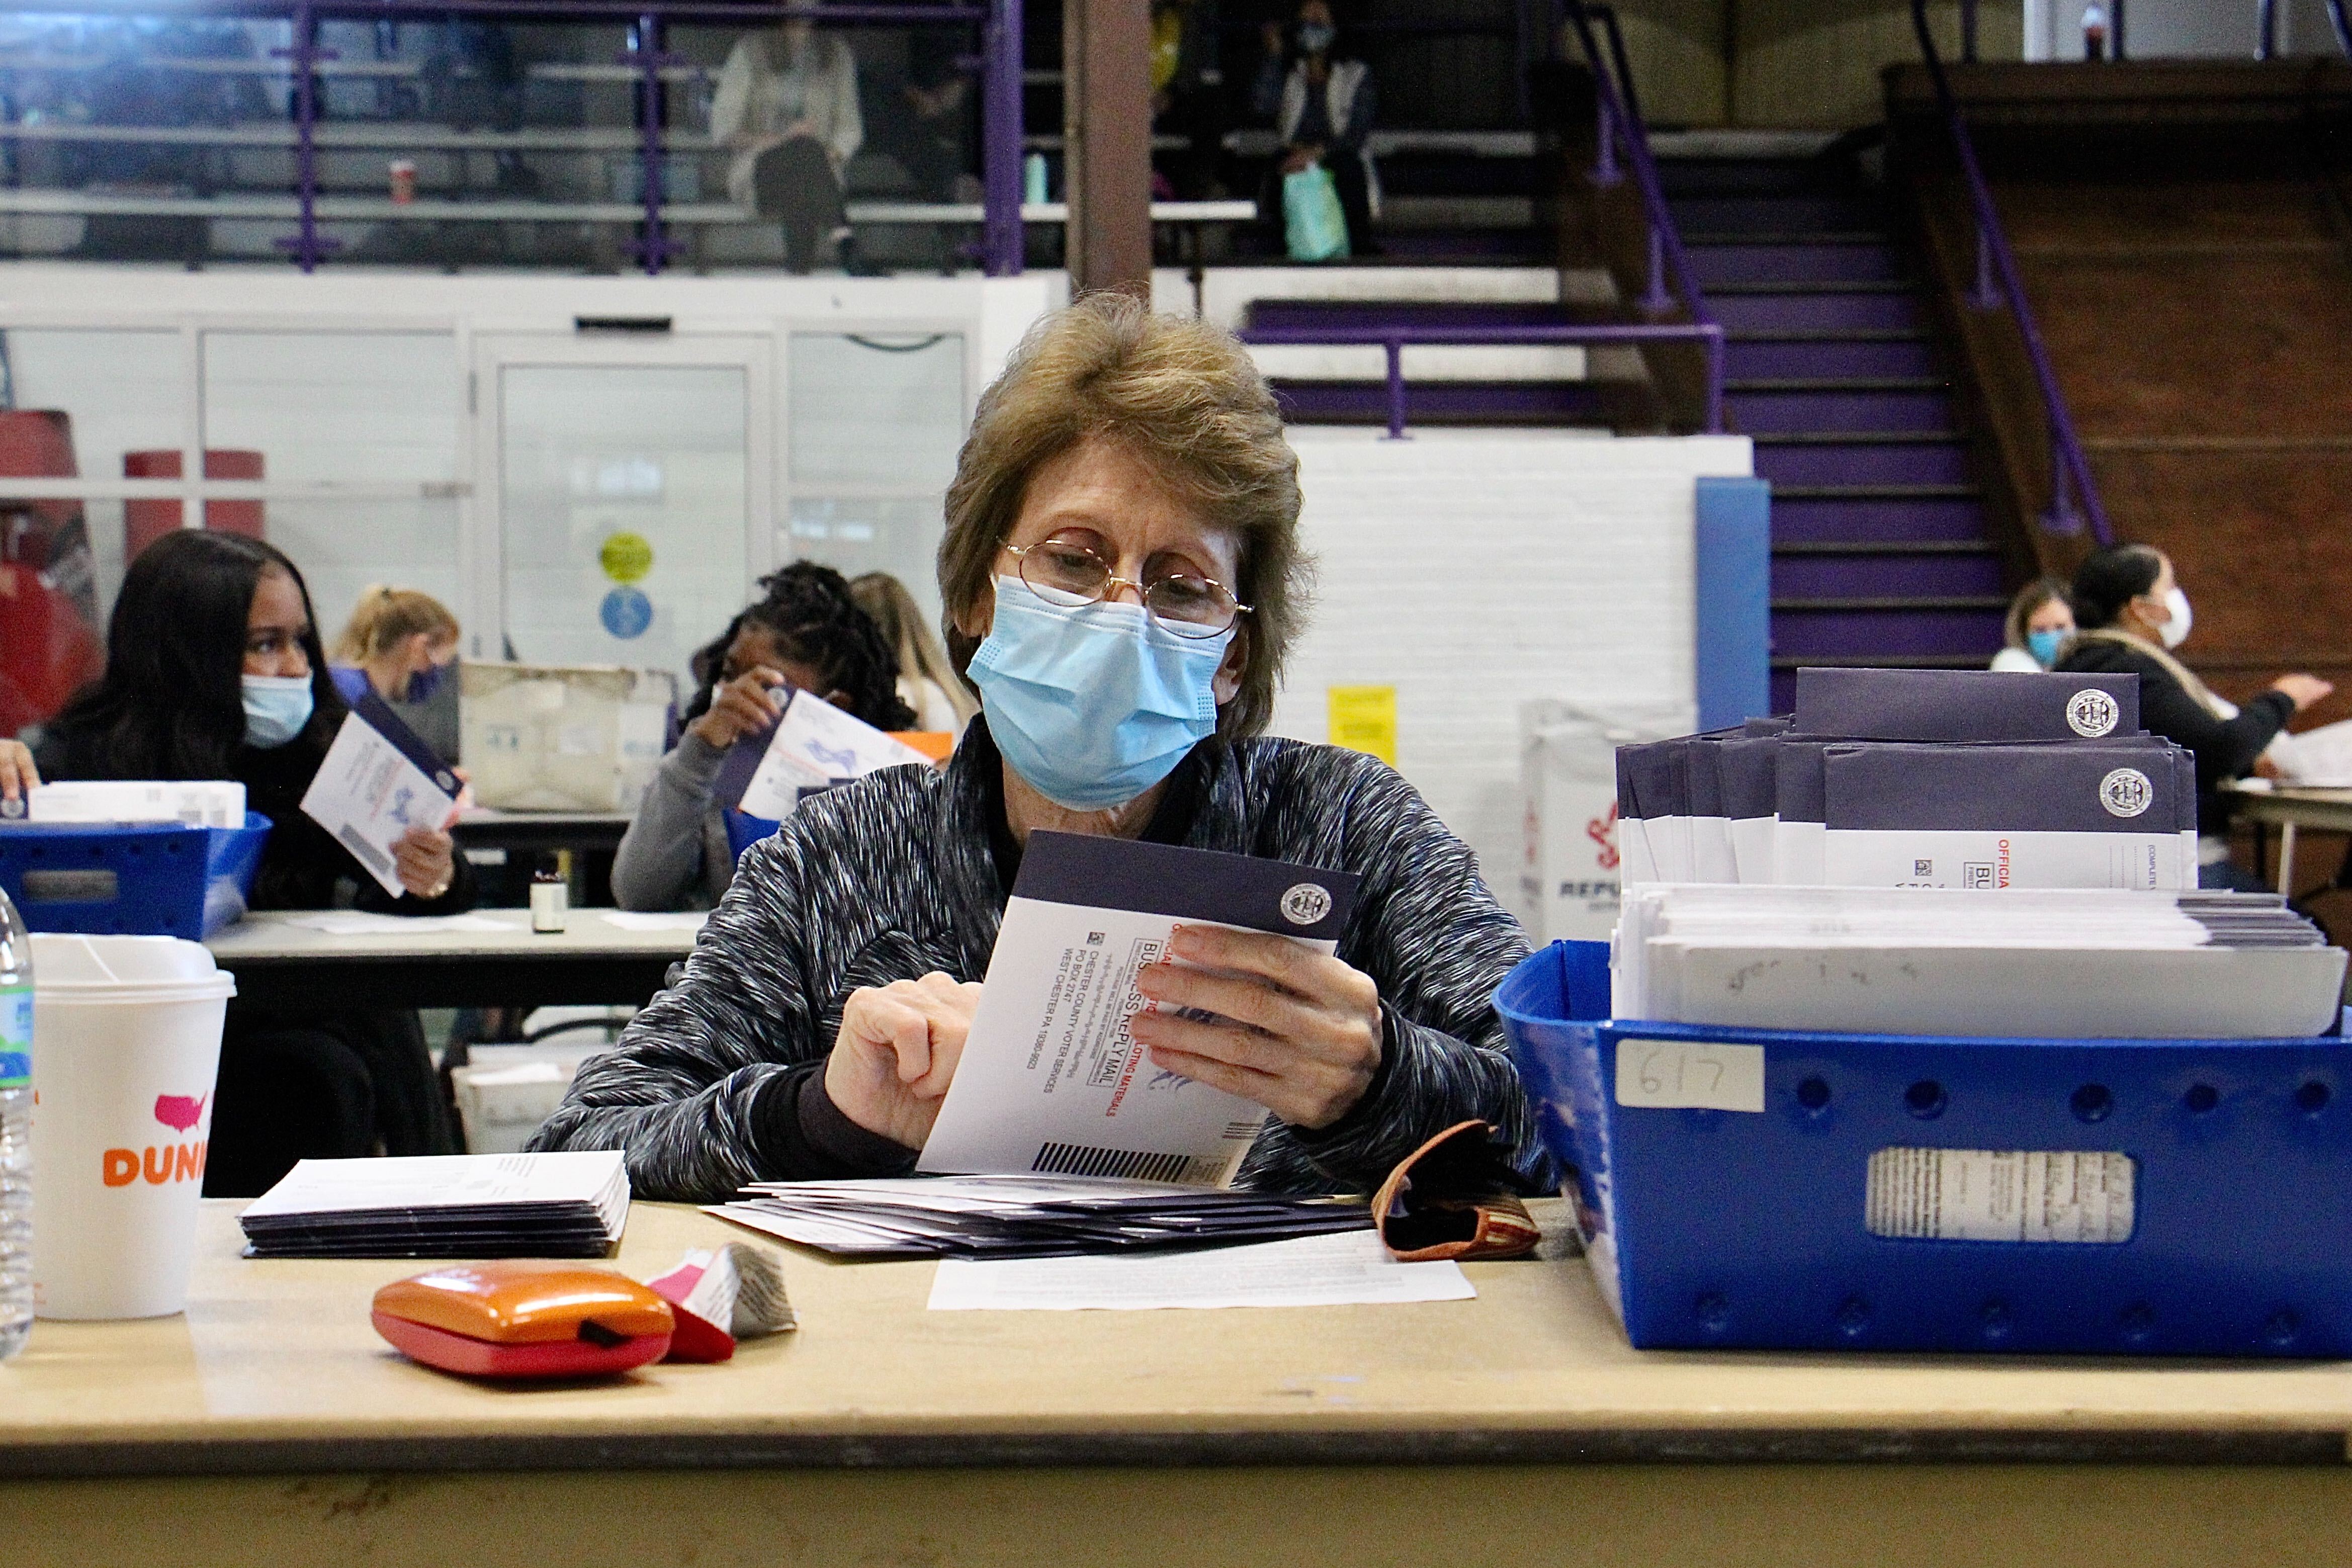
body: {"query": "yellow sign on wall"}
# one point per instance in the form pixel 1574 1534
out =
pixel 626 557
pixel 1364 719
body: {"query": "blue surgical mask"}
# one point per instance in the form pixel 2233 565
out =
pixel 2044 646
pixel 1314 37
pixel 1093 705
pixel 276 708
pixel 426 682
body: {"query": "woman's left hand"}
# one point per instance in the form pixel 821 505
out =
pixel 18 776
pixel 1305 1030
pixel 427 862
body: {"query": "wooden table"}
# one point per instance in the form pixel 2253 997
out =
pixel 270 1425
pixel 279 963
pixel 2329 810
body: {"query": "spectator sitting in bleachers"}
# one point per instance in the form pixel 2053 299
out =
pixel 930 129
pixel 1321 101
pixel 2040 620
pixel 787 107
pixel 1188 96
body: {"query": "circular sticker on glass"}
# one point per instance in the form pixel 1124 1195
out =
pixel 2126 793
pixel 626 557
pixel 1304 904
pixel 627 613
pixel 2091 713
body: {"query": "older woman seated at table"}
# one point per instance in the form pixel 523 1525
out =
pixel 1122 578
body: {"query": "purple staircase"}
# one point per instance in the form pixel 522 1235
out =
pixel 1880 554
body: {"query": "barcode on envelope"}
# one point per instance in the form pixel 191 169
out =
pixel 1131 1164
pixel 367 854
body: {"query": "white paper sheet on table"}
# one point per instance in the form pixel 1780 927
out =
pixel 635 920
pixel 1351 1269
pixel 360 922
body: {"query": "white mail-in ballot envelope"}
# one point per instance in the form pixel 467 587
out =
pixel 1051 1077
pixel 378 782
pixel 812 745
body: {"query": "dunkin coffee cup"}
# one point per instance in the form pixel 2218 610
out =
pixel 126 1044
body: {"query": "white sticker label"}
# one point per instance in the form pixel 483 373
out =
pixel 2000 1195
pixel 2091 713
pixel 1684 1075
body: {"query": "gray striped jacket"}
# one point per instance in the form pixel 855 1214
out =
pixel 893 877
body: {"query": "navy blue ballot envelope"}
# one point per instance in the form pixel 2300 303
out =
pixel 1051 1077
pixel 2102 814
pixel 1966 705
pixel 377 715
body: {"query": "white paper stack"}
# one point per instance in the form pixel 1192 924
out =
pixel 198 803
pixel 569 1204
pixel 2071 963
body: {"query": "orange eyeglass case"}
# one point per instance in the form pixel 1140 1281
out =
pixel 524 1320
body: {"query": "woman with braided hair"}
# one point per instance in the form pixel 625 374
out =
pixel 804 630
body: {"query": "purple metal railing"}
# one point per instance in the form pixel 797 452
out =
pixel 645 20
pixel 1394 339
pixel 2266 28
pixel 1621 131
pixel 1998 284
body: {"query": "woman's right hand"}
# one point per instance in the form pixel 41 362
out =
pixel 2302 690
pixel 745 705
pixel 897 1054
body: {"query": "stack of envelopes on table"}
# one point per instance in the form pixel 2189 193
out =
pixel 2054 963
pixel 569 1204
pixel 1025 1216
pixel 1975 779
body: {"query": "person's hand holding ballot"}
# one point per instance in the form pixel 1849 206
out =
pixel 897 1052
pixel 388 800
pixel 1295 1030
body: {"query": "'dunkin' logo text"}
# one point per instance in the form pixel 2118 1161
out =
pixel 167 1163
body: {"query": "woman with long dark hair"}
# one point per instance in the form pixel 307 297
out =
pixel 215 671
pixel 2132 614
pixel 804 630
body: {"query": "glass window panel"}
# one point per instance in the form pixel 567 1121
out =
pixel 337 406
pixel 876 408
pixel 616 483
pixel 344 547
pixel 853 537
pixel 121 391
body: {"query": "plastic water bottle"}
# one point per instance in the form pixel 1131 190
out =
pixel 1033 178
pixel 15 1131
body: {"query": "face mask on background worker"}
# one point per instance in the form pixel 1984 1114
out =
pixel 277 707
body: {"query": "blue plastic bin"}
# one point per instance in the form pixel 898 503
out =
pixel 130 879
pixel 1718 1228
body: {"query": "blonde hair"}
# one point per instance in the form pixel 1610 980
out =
pixel 1184 398
pixel 386 617
pixel 887 603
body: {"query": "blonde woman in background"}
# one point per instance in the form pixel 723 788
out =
pixel 402 645
pixel 927 682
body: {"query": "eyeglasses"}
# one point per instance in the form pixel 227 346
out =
pixel 1067 573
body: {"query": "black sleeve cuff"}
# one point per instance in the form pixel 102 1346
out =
pixel 804 1136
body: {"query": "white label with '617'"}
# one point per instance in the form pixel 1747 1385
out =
pixel 1685 1075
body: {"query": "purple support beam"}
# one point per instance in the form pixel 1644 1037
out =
pixel 2068 465
pixel 1605 173
pixel 654 247
pixel 307 244
pixel 1986 295
pixel 1002 244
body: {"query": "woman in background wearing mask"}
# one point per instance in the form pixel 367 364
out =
pixel 2132 615
pixel 1122 578
pixel 1321 101
pixel 402 646
pixel 2040 621
pixel 213 671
